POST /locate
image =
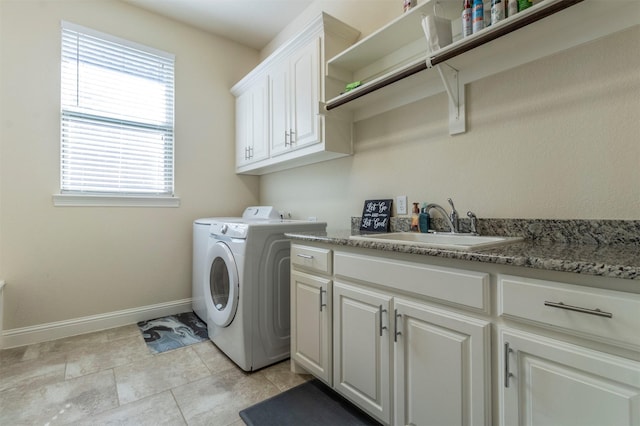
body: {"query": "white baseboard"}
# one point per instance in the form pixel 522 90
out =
pixel 73 327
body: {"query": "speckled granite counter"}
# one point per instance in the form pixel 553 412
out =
pixel 608 260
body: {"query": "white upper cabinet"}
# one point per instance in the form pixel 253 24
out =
pixel 252 143
pixel 298 132
pixel 294 93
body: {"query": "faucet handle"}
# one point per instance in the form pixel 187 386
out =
pixel 451 204
pixel 474 222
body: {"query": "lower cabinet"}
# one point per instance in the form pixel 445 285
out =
pixel 361 348
pixel 548 382
pixel 311 324
pixel 411 343
pixel 437 361
pixel 441 366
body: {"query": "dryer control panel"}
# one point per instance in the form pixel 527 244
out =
pixel 229 229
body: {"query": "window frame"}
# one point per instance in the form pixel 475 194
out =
pixel 125 198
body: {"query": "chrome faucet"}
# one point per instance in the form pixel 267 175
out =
pixel 452 220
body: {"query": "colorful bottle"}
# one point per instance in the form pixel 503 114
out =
pixel 497 11
pixel 477 16
pixel 423 219
pixel 467 30
pixel 415 217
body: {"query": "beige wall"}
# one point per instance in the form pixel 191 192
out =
pixel 556 138
pixel 68 262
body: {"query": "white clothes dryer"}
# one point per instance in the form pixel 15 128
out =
pixel 199 255
pixel 246 285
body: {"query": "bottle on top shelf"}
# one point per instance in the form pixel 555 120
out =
pixel 497 11
pixel 466 18
pixel 477 16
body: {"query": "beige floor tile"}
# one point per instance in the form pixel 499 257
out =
pixel 12 356
pixel 122 332
pixel 156 410
pixel 281 376
pixel 213 357
pixel 216 400
pixel 158 373
pixel 32 373
pixel 60 403
pixel 103 356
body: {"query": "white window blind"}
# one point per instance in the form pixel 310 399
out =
pixel 117 116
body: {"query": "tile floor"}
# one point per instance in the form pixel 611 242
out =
pixel 111 378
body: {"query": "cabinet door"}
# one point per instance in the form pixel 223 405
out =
pixel 545 381
pixel 361 348
pixel 252 124
pixel 279 109
pixel 311 324
pixel 441 366
pixel 305 87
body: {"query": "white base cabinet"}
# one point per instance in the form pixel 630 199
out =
pixel 361 348
pixel 311 324
pixel 311 311
pixel 410 343
pixel 441 366
pixel 549 382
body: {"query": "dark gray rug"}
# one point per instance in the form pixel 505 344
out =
pixel 309 404
pixel 173 332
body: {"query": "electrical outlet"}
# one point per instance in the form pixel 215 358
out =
pixel 401 204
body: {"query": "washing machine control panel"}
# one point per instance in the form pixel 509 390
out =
pixel 231 230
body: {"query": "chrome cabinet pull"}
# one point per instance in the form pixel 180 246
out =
pixel 304 256
pixel 396 333
pixel 292 137
pixel 286 136
pixel 507 374
pixel 596 311
pixel 322 290
pixel 381 326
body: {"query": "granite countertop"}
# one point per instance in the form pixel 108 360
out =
pixel 609 260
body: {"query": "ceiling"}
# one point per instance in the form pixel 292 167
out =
pixel 253 23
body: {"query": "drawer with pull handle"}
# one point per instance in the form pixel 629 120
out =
pixel 609 315
pixel 312 258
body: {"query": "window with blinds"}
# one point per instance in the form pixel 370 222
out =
pixel 117 116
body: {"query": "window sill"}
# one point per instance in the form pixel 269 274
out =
pixel 77 200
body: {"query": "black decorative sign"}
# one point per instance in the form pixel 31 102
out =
pixel 376 216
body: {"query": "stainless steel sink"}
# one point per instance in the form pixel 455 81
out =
pixel 439 240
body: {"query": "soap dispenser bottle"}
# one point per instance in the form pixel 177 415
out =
pixel 423 219
pixel 415 226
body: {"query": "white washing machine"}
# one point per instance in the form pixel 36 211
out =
pixel 246 285
pixel 200 246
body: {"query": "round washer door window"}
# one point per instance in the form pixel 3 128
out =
pixel 221 293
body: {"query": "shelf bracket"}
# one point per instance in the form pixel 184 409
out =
pixel 455 91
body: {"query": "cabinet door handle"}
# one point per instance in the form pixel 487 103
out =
pixel 286 137
pixel 322 290
pixel 381 326
pixel 292 138
pixel 246 153
pixel 396 333
pixel 596 311
pixel 304 256
pixel 507 374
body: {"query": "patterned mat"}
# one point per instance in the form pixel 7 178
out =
pixel 173 332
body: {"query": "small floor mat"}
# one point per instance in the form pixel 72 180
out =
pixel 173 332
pixel 310 404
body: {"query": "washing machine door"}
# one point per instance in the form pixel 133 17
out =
pixel 221 285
